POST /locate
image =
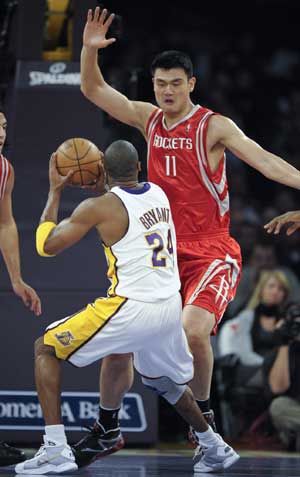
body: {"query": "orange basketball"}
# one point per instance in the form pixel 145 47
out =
pixel 81 156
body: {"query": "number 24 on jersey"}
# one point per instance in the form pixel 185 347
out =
pixel 159 248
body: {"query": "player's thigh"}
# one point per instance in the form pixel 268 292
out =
pixel 91 333
pixel 168 354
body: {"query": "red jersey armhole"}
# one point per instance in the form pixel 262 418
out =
pixel 212 174
pixel 8 164
pixel 150 121
pixel 9 168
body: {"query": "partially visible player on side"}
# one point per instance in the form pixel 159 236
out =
pixel 291 218
pixel 141 313
pixel 9 246
pixel 186 157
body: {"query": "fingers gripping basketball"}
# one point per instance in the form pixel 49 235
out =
pixel 82 157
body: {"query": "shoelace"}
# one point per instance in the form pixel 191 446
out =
pixel 90 429
pixel 96 430
pixel 199 451
pixel 41 450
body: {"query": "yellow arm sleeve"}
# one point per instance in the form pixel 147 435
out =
pixel 42 233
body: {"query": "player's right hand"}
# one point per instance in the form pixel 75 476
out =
pixel 275 225
pixel 28 295
pixel 56 181
pixel 94 35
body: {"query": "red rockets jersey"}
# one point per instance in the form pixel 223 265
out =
pixel 177 162
pixel 5 168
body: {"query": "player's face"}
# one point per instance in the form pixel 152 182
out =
pixel 3 124
pixel 172 89
pixel 273 292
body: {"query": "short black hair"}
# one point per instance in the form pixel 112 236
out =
pixel 121 159
pixel 173 59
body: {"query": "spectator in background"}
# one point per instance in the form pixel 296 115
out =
pixel 250 336
pixel 263 257
pixel 281 368
pixel 284 365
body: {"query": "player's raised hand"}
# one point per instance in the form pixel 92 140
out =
pixel 275 225
pixel 94 35
pixel 57 182
pixel 28 295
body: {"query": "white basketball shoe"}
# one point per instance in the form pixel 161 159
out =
pixel 215 458
pixel 51 458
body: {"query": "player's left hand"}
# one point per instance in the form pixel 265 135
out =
pixel 28 295
pixel 57 182
pixel 98 185
pixel 275 225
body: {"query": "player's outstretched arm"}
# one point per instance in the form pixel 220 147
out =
pixel 292 218
pixel 225 131
pixel 9 240
pixel 93 85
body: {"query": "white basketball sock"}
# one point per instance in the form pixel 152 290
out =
pixel 56 433
pixel 208 438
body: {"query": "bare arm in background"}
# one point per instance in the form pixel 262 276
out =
pixel 9 245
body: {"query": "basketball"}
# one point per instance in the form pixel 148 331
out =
pixel 81 156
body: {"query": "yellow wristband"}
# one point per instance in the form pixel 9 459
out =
pixel 41 236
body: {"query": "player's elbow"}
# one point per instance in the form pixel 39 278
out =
pixel 49 249
pixel 91 91
pixel 42 239
pixel 278 384
pixel 278 387
pixel 86 90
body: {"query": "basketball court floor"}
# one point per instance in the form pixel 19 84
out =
pixel 167 464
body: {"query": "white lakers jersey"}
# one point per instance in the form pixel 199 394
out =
pixel 143 264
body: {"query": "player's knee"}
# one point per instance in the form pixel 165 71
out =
pixel 198 323
pixel 198 333
pixel 166 388
pixel 41 349
pixel 197 339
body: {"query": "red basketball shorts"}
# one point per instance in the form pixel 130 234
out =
pixel 210 272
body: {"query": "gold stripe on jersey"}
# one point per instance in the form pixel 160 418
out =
pixel 72 333
pixel 112 270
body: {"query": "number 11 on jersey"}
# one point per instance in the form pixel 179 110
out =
pixel 170 165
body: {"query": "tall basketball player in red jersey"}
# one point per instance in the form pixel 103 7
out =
pixel 9 246
pixel 186 157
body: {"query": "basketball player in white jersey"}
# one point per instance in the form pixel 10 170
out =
pixel 9 246
pixel 141 313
